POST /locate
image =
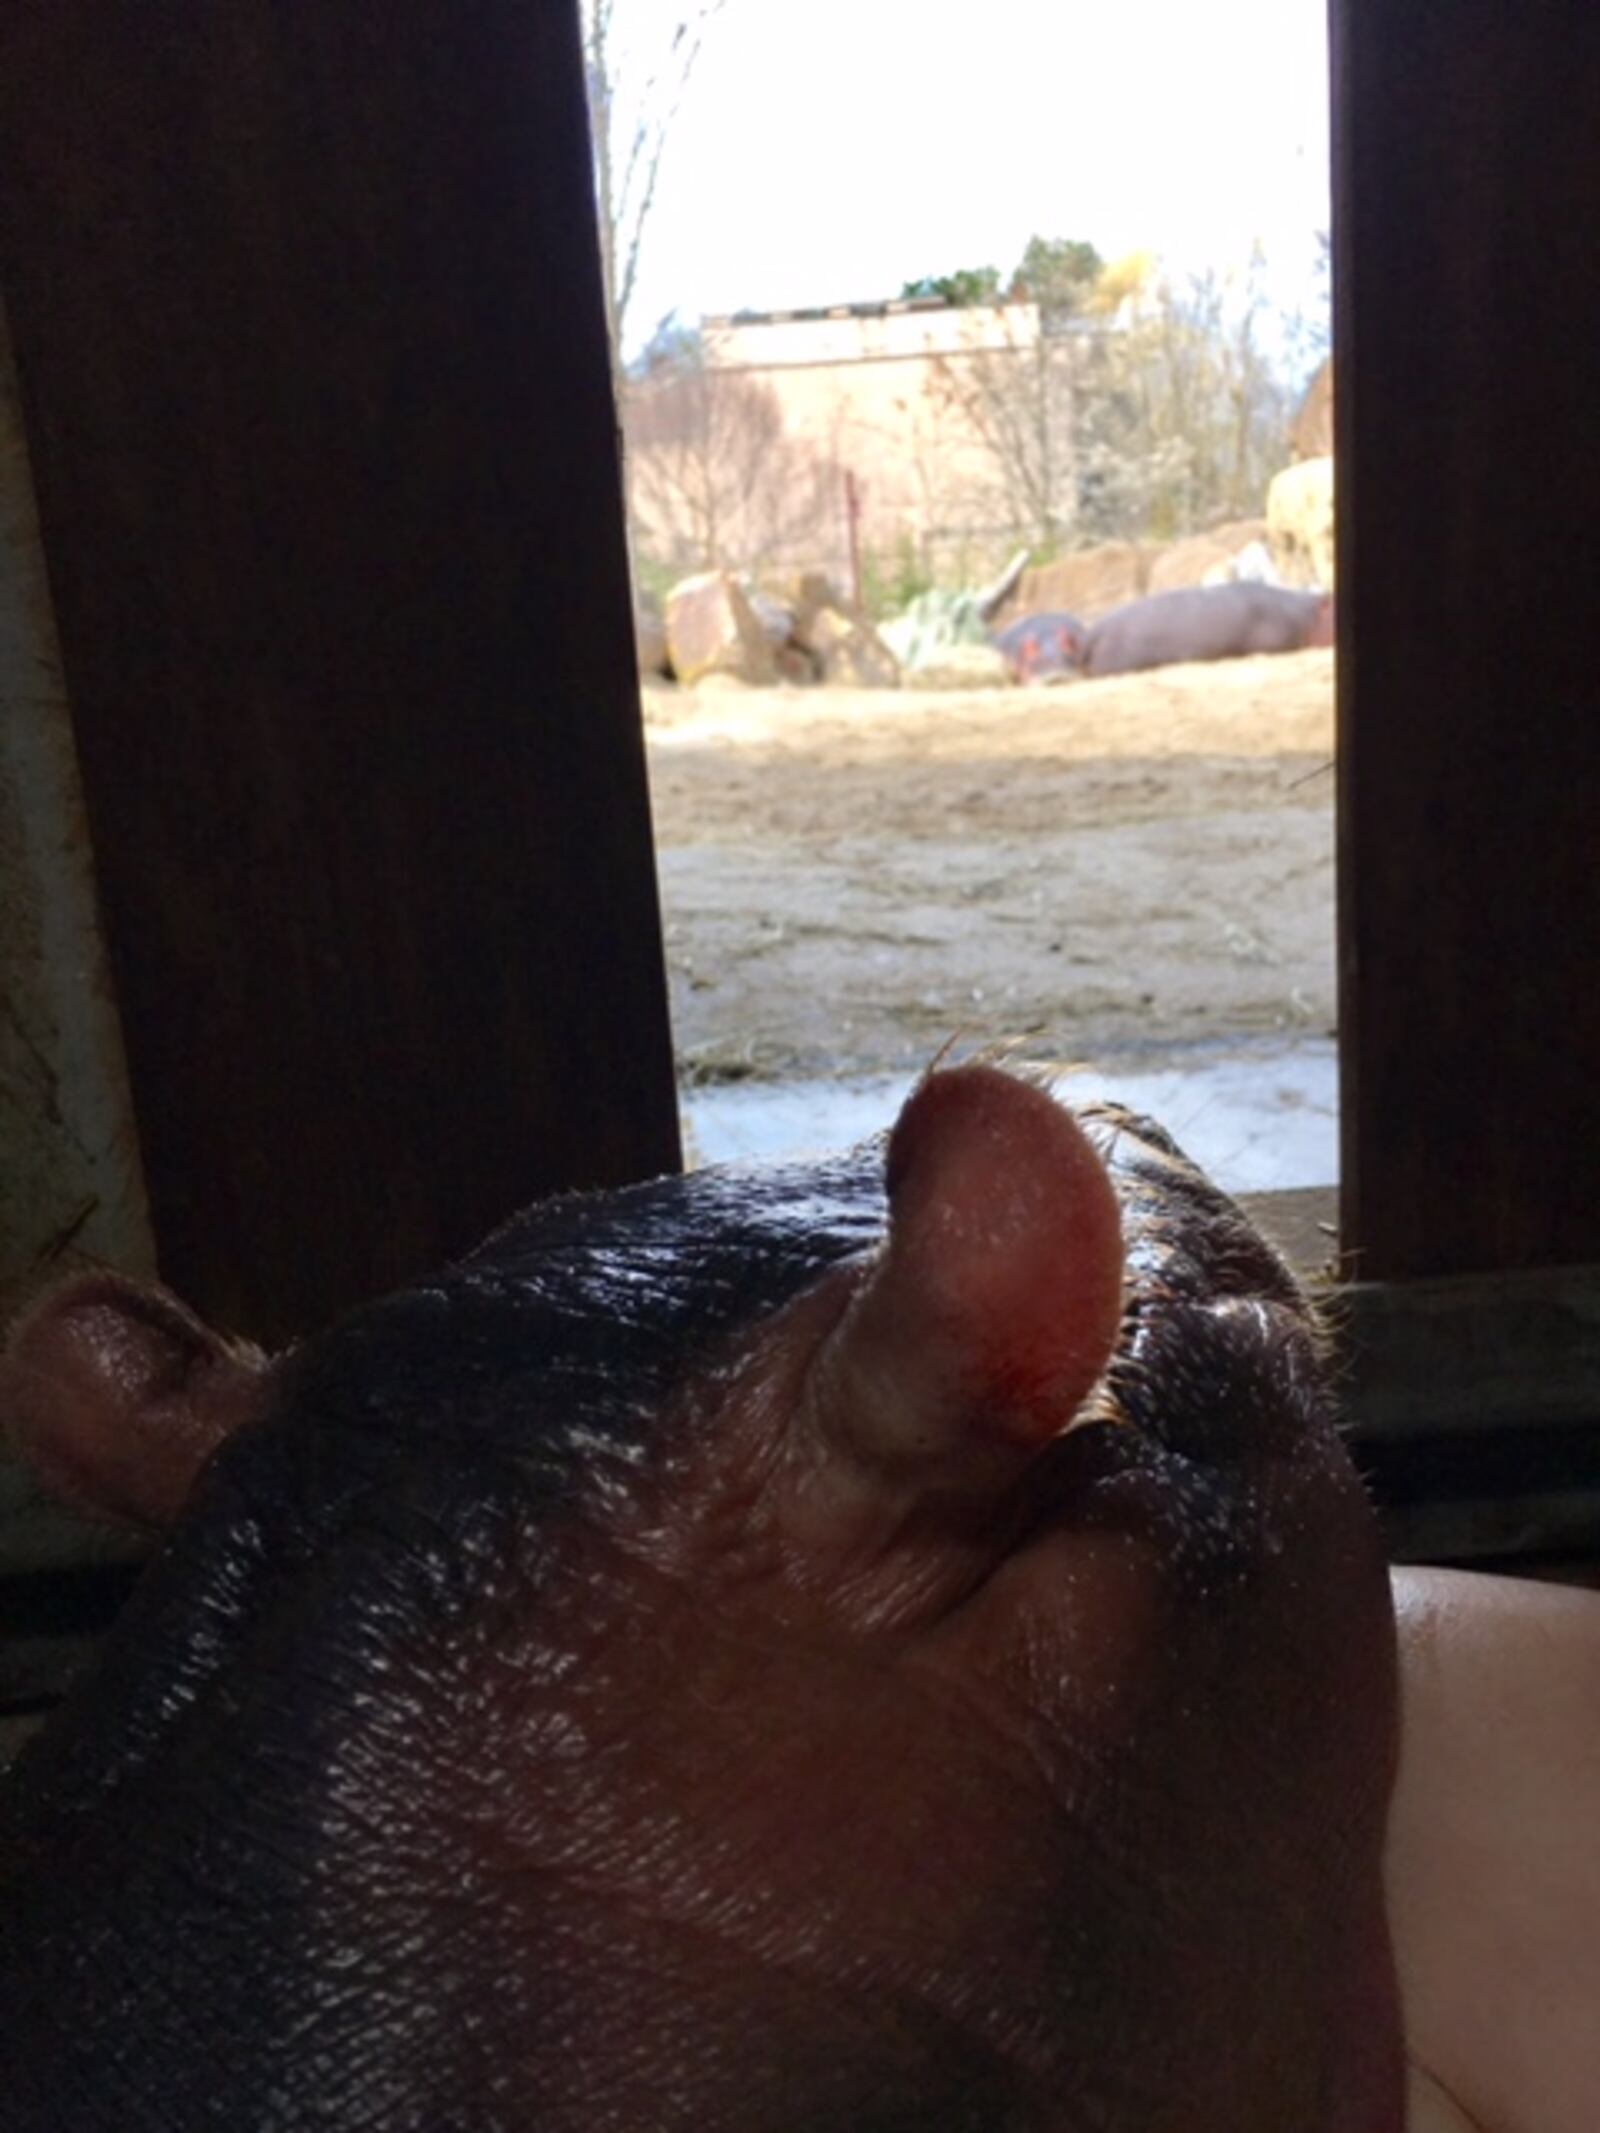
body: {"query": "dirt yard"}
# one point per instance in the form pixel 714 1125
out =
pixel 851 878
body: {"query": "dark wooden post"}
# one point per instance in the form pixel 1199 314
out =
pixel 308 324
pixel 1467 189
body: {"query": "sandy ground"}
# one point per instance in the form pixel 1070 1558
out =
pixel 849 878
pixel 1132 866
pixel 1139 866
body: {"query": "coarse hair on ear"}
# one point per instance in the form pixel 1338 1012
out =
pixel 117 1395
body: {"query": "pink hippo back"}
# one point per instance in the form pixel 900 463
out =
pixel 1204 622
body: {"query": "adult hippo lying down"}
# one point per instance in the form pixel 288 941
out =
pixel 893 1641
pixel 1207 622
pixel 1041 647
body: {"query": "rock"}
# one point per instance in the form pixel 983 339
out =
pixel 649 637
pixel 775 616
pixel 1191 561
pixel 809 591
pixel 1087 584
pixel 809 595
pixel 850 652
pixel 841 645
pixel 712 629
pixel 1187 562
pixel 1253 565
pixel 992 597
pixel 1236 533
pixel 1312 434
pixel 797 665
pixel 1300 523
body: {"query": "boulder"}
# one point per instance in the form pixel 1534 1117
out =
pixel 839 644
pixel 797 665
pixel 850 652
pixel 992 597
pixel 1087 584
pixel 775 616
pixel 1200 558
pixel 1312 434
pixel 1300 523
pixel 809 598
pixel 809 594
pixel 649 637
pixel 1236 533
pixel 1253 565
pixel 712 629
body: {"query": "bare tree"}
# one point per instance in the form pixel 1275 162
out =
pixel 635 91
pixel 716 481
pixel 1110 402
pixel 1182 412
pixel 1014 391
pixel 1015 388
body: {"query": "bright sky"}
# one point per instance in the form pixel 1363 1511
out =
pixel 829 150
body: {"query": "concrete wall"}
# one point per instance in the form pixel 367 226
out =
pixel 894 397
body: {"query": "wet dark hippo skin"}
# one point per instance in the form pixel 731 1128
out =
pixel 887 1642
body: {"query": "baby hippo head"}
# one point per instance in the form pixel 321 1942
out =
pixel 892 1641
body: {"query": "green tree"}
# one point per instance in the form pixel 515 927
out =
pixel 1117 403
pixel 1016 390
pixel 1057 273
pixel 965 287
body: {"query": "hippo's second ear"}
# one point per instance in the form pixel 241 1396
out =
pixel 116 1395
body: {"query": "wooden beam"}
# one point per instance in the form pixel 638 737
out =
pixel 1437 1359
pixel 307 318
pixel 1473 1408
pixel 70 1190
pixel 1467 196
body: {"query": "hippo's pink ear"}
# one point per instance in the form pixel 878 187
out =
pixel 995 1307
pixel 116 1395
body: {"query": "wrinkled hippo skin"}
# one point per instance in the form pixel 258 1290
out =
pixel 1206 622
pixel 678 1668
